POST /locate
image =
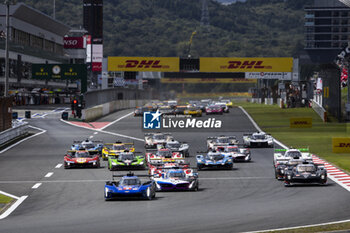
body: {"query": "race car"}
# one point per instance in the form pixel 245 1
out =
pixel 213 142
pixel 176 146
pixel 305 173
pixel 258 139
pixel 280 168
pixel 116 148
pixel 129 186
pixel 227 102
pixel 159 168
pixel 213 109
pixel 140 110
pixel 88 145
pixel 126 161
pixel 166 110
pixel 163 156
pixel 153 139
pixel 224 107
pixel 193 111
pixel 81 158
pixel 214 159
pixel 177 179
pixel 284 155
pixel 180 110
pixel 239 154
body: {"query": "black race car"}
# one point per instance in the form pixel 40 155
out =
pixel 280 167
pixel 307 172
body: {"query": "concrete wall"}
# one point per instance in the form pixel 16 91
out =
pixel 96 112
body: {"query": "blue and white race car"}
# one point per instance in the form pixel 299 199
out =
pixel 129 186
pixel 177 179
pixel 214 159
pixel 88 145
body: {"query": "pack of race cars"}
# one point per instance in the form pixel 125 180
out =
pixel 165 158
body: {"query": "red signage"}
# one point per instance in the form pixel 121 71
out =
pixel 73 42
pixel 97 67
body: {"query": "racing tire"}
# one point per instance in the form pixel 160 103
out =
pixel 200 167
pixel 196 189
pixel 276 175
pixel 65 165
pixel 287 184
pixel 229 167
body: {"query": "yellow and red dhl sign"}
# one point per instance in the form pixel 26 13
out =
pixel 207 80
pixel 252 64
pixel 341 145
pixel 301 122
pixel 154 64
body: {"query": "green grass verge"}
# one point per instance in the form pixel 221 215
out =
pixel 326 228
pixel 5 199
pixel 276 121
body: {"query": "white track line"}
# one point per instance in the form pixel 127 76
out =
pixel 13 207
pixel 37 185
pixel 24 139
pixel 9 195
pixel 91 136
pixel 96 133
pixel 49 174
pixel 124 136
pixel 113 122
pixel 59 165
pixel 330 176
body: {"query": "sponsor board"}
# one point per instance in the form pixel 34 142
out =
pixel 74 42
pixel 59 71
pixel 269 75
pixel 252 64
pixel 160 64
pixel 341 145
pixel 207 80
pixel 158 121
pixel 301 122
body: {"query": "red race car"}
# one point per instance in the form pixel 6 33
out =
pixel 82 158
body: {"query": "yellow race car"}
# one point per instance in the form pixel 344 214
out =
pixel 227 102
pixel 116 148
pixel 193 112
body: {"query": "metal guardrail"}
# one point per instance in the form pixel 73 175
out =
pixel 16 131
pixel 319 110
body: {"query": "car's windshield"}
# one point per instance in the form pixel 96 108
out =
pixel 215 156
pixel 82 154
pixel 232 149
pixel 308 168
pixel 222 140
pixel 164 153
pixel 293 154
pixel 88 145
pixel 173 145
pixel 128 156
pixel 259 136
pixel 159 137
pixel 131 182
pixel 118 147
pixel 180 174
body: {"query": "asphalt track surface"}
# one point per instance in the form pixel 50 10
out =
pixel 247 198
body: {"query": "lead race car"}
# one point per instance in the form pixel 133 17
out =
pixel 177 179
pixel 213 142
pixel 238 154
pixel 214 159
pixel 258 139
pixel 126 161
pixel 113 149
pixel 129 186
pixel 82 158
pixel 307 173
pixel 88 145
pixel 154 139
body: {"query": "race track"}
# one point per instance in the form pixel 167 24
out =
pixel 248 198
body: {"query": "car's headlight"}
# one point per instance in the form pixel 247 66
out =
pixel 289 177
pixel 106 190
pixel 322 177
pixel 141 163
pixel 114 163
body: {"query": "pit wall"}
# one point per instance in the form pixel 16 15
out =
pixel 99 111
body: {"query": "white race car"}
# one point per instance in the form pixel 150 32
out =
pixel 214 142
pixel 154 139
pixel 176 146
pixel 282 156
pixel 259 139
pixel 238 154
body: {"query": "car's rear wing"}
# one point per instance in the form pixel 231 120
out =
pixel 91 152
pixel 300 149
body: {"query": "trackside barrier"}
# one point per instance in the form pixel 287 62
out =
pixel 319 110
pixel 269 101
pixel 12 133
pixel 93 113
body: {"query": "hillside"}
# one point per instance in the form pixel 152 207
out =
pixel 164 27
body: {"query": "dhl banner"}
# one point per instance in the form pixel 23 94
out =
pixel 207 80
pixel 341 145
pixel 301 122
pixel 251 64
pixel 153 64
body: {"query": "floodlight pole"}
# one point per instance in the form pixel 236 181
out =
pixel 7 68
